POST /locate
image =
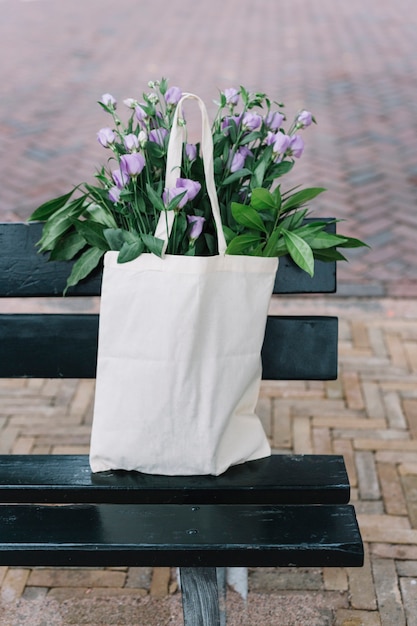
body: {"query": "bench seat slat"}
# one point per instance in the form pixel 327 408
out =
pixel 65 346
pixel 179 535
pixel 279 479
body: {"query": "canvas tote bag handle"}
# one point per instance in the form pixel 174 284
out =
pixel 174 159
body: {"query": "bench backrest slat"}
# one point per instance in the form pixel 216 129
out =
pixel 26 273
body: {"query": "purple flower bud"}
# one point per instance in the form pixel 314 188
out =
pixel 251 121
pixel 237 163
pixel 281 143
pixel 157 135
pixel 114 194
pixel 244 151
pixel 171 192
pixel 120 178
pixel 130 103
pixel 229 119
pixel 132 164
pixel 232 96
pixel 131 142
pixel 305 118
pixel 191 186
pixel 108 100
pixel 296 146
pixel 197 224
pixel 173 95
pixel 106 137
pixel 273 120
pixel 141 116
pixel 191 151
pixel 270 138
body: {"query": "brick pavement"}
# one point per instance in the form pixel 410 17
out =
pixel 353 63
pixel 369 415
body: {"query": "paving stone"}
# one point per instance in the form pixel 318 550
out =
pixel 56 577
pixel 348 617
pixel 13 584
pixel 367 476
pixel 409 598
pixel 388 593
pixel 160 581
pixel 361 586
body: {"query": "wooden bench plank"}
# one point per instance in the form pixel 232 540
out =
pixel 26 273
pixel 279 479
pixel 180 535
pixel 65 346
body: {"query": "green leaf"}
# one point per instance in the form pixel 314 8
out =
pixel 153 244
pixel 92 233
pixel 272 244
pixel 351 242
pixel 299 251
pixel 115 237
pixel 242 243
pixel 301 197
pixel 59 223
pixel 42 213
pixel 331 254
pixel 130 251
pixel 325 240
pixel 258 175
pixel 87 262
pixel 243 173
pixel 68 247
pixel 155 198
pixel 247 216
pixel 262 199
pixel 101 215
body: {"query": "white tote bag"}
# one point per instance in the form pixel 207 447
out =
pixel 179 364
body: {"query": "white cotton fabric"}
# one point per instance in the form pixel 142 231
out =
pixel 179 367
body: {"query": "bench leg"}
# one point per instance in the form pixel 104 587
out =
pixel 200 600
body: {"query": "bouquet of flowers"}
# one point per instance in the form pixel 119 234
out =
pixel 251 152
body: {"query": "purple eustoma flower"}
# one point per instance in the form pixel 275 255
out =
pixel 296 146
pixel 281 143
pixel 273 120
pixel 141 115
pixel 173 95
pixel 239 158
pixel 237 163
pixel 157 135
pixel 191 187
pixel 114 194
pixel 229 119
pixel 131 142
pixel 108 100
pixel 106 137
pixel 132 164
pixel 197 224
pixel 120 178
pixel 305 118
pixel 232 96
pixel 251 121
pixel 191 151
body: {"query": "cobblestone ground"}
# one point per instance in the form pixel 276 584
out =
pixel 354 64
pixel 369 415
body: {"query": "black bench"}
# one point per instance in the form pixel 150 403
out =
pixel 286 510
